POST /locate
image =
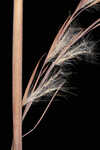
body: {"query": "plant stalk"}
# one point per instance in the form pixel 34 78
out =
pixel 17 74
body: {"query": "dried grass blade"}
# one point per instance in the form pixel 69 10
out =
pixel 57 38
pixel 27 89
pixel 46 109
pixel 31 79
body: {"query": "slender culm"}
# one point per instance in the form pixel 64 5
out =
pixel 17 74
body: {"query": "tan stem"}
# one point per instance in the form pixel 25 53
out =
pixel 17 74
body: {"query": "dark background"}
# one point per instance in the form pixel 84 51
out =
pixel 71 122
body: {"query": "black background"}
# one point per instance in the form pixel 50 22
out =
pixel 71 122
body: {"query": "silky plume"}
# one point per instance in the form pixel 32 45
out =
pixel 69 44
